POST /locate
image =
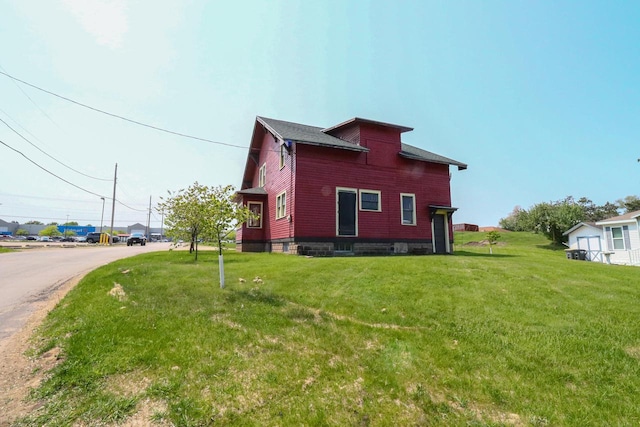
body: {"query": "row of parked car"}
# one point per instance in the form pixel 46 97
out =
pixel 135 238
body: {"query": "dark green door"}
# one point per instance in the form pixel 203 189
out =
pixel 347 213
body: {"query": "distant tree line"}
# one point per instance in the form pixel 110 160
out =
pixel 554 218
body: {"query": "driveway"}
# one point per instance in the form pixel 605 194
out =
pixel 30 276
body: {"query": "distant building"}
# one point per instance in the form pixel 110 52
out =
pixel 465 227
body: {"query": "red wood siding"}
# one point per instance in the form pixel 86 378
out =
pixel 277 181
pixel 321 170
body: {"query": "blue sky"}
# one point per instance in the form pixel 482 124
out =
pixel 540 98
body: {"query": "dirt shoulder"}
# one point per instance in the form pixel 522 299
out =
pixel 19 373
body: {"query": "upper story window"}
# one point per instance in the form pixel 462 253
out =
pixel 281 205
pixel 408 207
pixel 283 153
pixel 262 175
pixel 370 200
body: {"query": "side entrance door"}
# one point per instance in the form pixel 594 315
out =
pixel 346 216
pixel 439 235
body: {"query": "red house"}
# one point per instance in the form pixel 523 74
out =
pixel 352 188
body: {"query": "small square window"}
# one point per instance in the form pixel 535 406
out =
pixel 370 200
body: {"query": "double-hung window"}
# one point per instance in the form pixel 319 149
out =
pixel 281 205
pixel 262 175
pixel 283 153
pixel 617 237
pixel 408 208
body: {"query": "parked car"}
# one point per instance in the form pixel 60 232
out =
pixel 44 239
pixel 32 238
pixel 136 238
pixel 95 238
pixel 81 239
pixel 68 239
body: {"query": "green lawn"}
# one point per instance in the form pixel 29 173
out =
pixel 520 337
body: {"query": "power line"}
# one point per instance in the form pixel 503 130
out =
pixel 184 135
pixel 48 171
pixel 50 156
pixel 32 101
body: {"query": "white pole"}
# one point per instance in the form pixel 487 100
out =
pixel 221 268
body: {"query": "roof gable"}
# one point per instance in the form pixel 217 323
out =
pixel 580 225
pixel 306 134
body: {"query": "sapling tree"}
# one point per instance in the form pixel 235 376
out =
pixel 203 211
pixel 492 237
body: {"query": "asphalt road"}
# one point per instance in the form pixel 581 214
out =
pixel 30 276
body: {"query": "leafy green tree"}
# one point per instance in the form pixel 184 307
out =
pixel 51 231
pixel 202 211
pixel 21 232
pixel 71 223
pixel 629 204
pixel 554 218
pixel 33 223
pixel 593 212
pixel 517 220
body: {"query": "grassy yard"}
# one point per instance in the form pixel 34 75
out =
pixel 520 337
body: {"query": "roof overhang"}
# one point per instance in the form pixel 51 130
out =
pixel 434 209
pixel 407 155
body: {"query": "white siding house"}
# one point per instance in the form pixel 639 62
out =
pixel 589 237
pixel 622 238
pixel 614 240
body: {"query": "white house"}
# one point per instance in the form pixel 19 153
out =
pixel 589 237
pixel 614 240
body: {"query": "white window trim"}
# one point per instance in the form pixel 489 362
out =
pixel 262 175
pixel 621 238
pixel 259 218
pixel 281 205
pixel 379 193
pixel 414 220
pixel 344 190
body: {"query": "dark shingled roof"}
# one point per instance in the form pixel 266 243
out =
pixel 411 152
pixel 316 136
pixel 306 134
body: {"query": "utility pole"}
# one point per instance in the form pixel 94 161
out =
pixel 102 217
pixel 149 222
pixel 113 203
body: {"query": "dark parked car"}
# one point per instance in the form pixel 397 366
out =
pixel 68 239
pixel 136 238
pixel 95 238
